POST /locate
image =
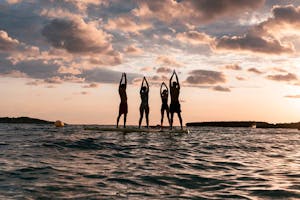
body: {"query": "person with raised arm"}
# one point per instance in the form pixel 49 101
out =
pixel 175 105
pixel 144 107
pixel 123 108
pixel 164 94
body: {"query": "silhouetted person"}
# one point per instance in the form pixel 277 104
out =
pixel 144 107
pixel 123 108
pixel 175 105
pixel 164 94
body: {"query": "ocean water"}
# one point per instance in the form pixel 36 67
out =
pixel 44 162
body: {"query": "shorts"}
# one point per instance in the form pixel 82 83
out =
pixel 144 108
pixel 164 107
pixel 175 107
pixel 123 108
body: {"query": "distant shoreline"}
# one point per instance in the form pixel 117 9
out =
pixel 23 120
pixel 245 124
pixel 229 124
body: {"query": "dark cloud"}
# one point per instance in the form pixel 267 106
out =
pixel 283 77
pixel 282 15
pixel 252 43
pixel 76 36
pixel 194 11
pixel 221 89
pixel 254 70
pixel 233 67
pixel 205 77
pixel 208 10
pixel 164 70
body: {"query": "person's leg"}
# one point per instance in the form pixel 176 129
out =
pixel 171 120
pixel 141 116
pixel 168 115
pixel 147 116
pixel 180 119
pixel 125 117
pixel 118 119
pixel 162 117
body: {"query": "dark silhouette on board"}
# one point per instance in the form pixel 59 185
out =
pixel 123 108
pixel 175 105
pixel 144 107
pixel 164 94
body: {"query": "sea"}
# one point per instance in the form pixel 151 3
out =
pixel 44 162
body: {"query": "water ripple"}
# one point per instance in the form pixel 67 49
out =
pixel 42 162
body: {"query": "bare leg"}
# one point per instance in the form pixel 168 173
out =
pixel 118 119
pixel 125 117
pixel 162 117
pixel 168 115
pixel 180 119
pixel 147 116
pixel 141 116
pixel 171 120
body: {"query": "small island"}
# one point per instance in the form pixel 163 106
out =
pixel 245 124
pixel 23 120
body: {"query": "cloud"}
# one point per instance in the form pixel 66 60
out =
pixel 221 89
pixel 77 36
pixel 167 61
pixel 205 77
pixel 91 85
pixel 68 70
pixel 254 43
pixel 283 77
pixel 163 70
pixel 194 11
pixel 14 74
pixel 233 67
pixel 194 37
pixel 127 24
pixel 155 80
pixel 240 78
pixel 7 43
pixel 297 96
pixel 84 93
pixel 146 69
pixel 254 70
pixel 54 80
pixel 103 75
pixel 285 18
pixel 132 49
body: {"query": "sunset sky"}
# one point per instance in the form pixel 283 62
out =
pixel 236 59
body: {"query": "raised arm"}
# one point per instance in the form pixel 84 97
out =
pixel 161 86
pixel 121 79
pixel 142 84
pixel 170 82
pixel 177 80
pixel 125 77
pixel 146 84
pixel 166 88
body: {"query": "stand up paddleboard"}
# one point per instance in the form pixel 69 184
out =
pixel 135 130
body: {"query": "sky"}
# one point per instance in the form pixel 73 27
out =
pixel 236 59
